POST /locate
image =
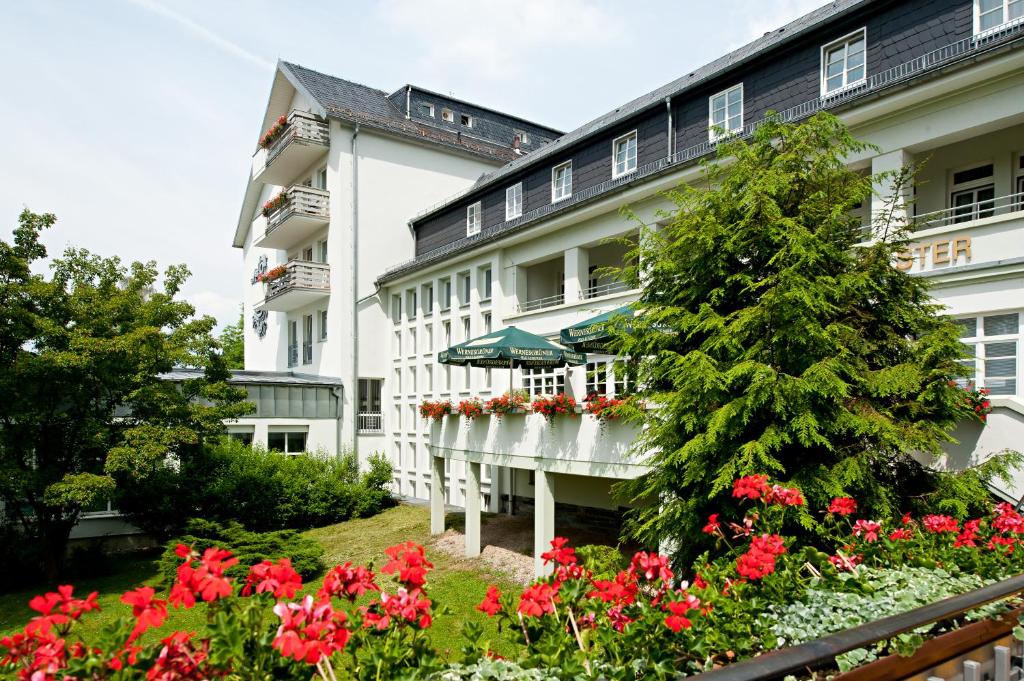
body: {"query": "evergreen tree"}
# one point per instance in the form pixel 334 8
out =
pixel 773 341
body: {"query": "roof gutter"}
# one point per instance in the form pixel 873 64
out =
pixel 668 136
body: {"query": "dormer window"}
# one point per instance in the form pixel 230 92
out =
pixel 427 110
pixel 466 120
pixel 725 113
pixel 447 115
pixel 561 182
pixel 989 14
pixel 842 63
pixel 624 155
pixel 473 219
pixel 521 137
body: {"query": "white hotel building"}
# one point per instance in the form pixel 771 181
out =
pixel 383 272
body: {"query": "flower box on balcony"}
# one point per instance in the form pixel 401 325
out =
pixel 275 131
pixel 275 204
pixel 272 275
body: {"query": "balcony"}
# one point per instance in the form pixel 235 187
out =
pixel 541 303
pixel 370 422
pixel 301 283
pixel 607 289
pixel 304 211
pixel 970 212
pixel 304 139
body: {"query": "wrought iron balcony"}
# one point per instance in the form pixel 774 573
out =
pixel 371 422
pixel 985 208
pixel 302 212
pixel 541 303
pixel 300 283
pixel 608 289
pixel 303 140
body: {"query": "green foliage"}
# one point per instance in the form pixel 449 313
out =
pixel 249 547
pixel 774 342
pixel 486 669
pixel 81 353
pixel 604 561
pixel 232 344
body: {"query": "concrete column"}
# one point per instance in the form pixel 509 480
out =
pixel 886 191
pixel 576 266
pixel 494 502
pixel 543 519
pixel 437 495
pixel 518 288
pixel 472 509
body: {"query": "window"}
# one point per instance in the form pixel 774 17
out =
pixel 323 325
pixel 427 110
pixel 307 339
pixel 428 338
pixel 842 63
pixel 412 380
pixel 544 381
pixel 465 328
pixel 989 14
pixel 485 283
pixel 624 378
pixel 320 179
pixel 292 441
pixel 428 378
pixel 972 194
pixel 307 254
pixel 466 120
pixel 1020 182
pixel 412 342
pixel 473 219
pixel 561 182
pixel 597 378
pixel 447 115
pixel 321 250
pixel 396 308
pixel 465 288
pixel 398 382
pixel 487 323
pixel 370 395
pixel 514 201
pixel 398 344
pixel 446 332
pixel 410 304
pixel 520 137
pixel 243 434
pixel 725 113
pixel 994 343
pixel 446 376
pixel 446 294
pixel 293 343
pixel 624 155
pixel 428 299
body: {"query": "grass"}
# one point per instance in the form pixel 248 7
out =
pixel 457 584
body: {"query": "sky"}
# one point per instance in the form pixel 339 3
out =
pixel 134 121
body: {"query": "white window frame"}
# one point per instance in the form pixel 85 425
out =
pixel 844 42
pixel 514 201
pixel 972 187
pixel 474 218
pixel 322 317
pixel 286 431
pixel 447 115
pixel 713 133
pixel 626 168
pixel 979 341
pixel 430 109
pixel 486 283
pixel 1004 10
pixel 544 381
pixel 555 197
pixel 466 120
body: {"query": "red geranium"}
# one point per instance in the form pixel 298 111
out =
pixel 149 612
pixel 347 581
pixel 868 529
pixel 538 600
pixel 276 578
pixel 491 603
pixel 843 506
pixel 938 524
pixel 751 487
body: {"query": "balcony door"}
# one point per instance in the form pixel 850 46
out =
pixel 307 339
pixel 973 192
pixel 293 343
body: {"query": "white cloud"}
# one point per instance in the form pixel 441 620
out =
pixel 496 38
pixel 222 308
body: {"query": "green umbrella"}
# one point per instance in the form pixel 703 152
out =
pixel 510 347
pixel 592 335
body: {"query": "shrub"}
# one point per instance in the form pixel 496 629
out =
pixel 603 561
pixel 249 547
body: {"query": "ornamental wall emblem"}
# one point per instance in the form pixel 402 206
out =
pixel 261 269
pixel 259 322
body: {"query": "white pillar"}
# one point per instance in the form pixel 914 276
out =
pixel 576 266
pixel 885 192
pixel 518 288
pixel 543 519
pixel 494 502
pixel 472 509
pixel 437 495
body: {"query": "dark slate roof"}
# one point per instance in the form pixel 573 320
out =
pixel 768 41
pixel 369 106
pixel 240 377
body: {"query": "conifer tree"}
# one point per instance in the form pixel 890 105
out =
pixel 773 339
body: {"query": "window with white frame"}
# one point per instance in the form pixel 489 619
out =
pixel 307 339
pixel 398 344
pixel 428 338
pixel 473 219
pixel 410 304
pixel 466 120
pixel 446 333
pixel 624 155
pixel 842 63
pixel 993 341
pixel 514 201
pixel 428 378
pixel 487 323
pixel 973 192
pixel 412 380
pixel 446 294
pixel 465 288
pixel 412 342
pixel 1020 181
pixel 989 14
pixel 597 378
pixel 398 382
pixel 320 179
pixel 521 137
pixel 561 182
pixel 321 248
pixel 465 329
pixel 428 299
pixel 543 381
pixel 447 116
pixel 427 110
pixel 287 440
pixel 396 308
pixel 323 325
pixel 485 283
pixel 725 112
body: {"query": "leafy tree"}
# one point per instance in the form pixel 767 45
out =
pixel 772 341
pixel 232 343
pixel 84 409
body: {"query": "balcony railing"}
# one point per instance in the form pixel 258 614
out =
pixel 304 128
pixel 371 422
pixel 301 283
pixel 541 303
pixel 303 204
pixel 599 290
pixel 293 355
pixel 986 208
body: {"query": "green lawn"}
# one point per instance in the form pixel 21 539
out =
pixel 456 584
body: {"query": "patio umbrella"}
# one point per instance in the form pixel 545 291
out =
pixel 592 335
pixel 511 347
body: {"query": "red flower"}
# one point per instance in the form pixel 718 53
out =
pixel 651 565
pixel 180 659
pixel 279 579
pixel 206 581
pixel 868 529
pixel 844 562
pixel 901 533
pixel 785 496
pixel 969 534
pixel 759 560
pixel 560 553
pixel 348 582
pixel 1008 520
pixel 938 524
pixel 406 605
pixel 491 603
pixel 677 609
pixel 538 600
pixel 621 591
pixel 1007 543
pixel 309 630
pixel 149 612
pixel 410 562
pixel 843 506
pixel 751 487
pixel 713 526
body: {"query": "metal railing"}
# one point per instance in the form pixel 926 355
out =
pixel 1000 205
pixel 940 57
pixel 604 289
pixel 293 355
pixel 302 200
pixel 304 128
pixel 370 422
pixel 300 274
pixel 821 653
pixel 541 303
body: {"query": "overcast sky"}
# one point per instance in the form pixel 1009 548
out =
pixel 134 120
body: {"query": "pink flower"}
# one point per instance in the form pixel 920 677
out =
pixel 868 529
pixel 938 524
pixel 750 487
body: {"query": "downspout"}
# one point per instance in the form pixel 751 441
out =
pixel 354 385
pixel 668 137
pixel 339 394
pixel 408 101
